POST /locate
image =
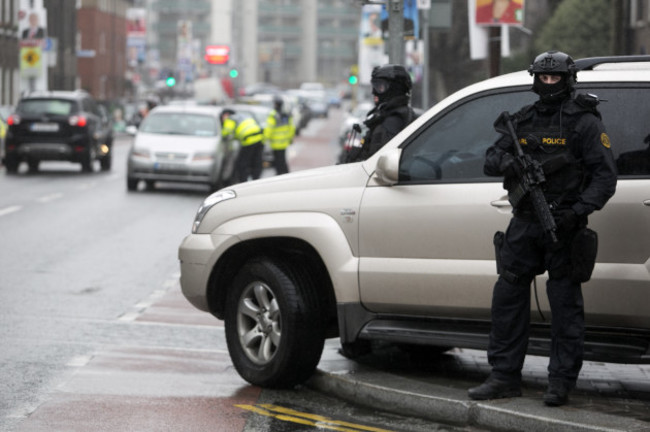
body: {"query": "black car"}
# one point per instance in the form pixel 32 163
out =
pixel 58 125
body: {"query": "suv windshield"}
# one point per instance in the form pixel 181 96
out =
pixel 46 106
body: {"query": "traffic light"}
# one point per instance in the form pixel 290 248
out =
pixel 353 77
pixel 234 73
pixel 170 81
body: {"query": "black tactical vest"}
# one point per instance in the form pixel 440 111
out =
pixel 549 140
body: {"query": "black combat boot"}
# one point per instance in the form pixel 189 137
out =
pixel 557 393
pixel 494 388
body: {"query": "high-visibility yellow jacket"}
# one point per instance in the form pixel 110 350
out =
pixel 279 130
pixel 247 132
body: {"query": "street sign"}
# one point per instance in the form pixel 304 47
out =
pixel 88 53
pixel 217 54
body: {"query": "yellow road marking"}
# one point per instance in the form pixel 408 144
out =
pixel 315 420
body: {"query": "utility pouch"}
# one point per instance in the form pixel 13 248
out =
pixel 498 244
pixel 584 248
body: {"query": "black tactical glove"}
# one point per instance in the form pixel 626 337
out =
pixel 509 166
pixel 565 219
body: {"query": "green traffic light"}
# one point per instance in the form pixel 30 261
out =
pixel 353 79
pixel 171 81
pixel 234 73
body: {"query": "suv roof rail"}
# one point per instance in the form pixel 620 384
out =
pixel 590 62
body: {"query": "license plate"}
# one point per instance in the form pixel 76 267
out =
pixel 168 167
pixel 45 127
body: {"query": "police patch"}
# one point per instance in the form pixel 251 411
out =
pixel 604 140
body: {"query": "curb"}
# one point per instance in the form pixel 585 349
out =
pixel 451 406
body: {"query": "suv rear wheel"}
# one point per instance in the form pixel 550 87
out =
pixel 87 159
pixel 11 164
pixel 273 328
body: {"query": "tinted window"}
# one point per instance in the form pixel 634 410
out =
pixel 46 106
pixel 452 148
pixel 626 114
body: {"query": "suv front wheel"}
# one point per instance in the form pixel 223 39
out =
pixel 273 328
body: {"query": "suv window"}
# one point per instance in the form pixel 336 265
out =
pixel 88 105
pixel 453 147
pixel 625 114
pixel 46 106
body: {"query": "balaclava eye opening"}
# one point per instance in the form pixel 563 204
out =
pixel 552 93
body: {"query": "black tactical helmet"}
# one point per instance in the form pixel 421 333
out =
pixel 555 63
pixel 393 72
pixel 390 81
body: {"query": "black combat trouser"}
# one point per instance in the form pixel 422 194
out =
pixel 280 161
pixel 525 253
pixel 249 162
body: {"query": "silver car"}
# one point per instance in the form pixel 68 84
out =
pixel 181 143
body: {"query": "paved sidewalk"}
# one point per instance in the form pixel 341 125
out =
pixel 608 397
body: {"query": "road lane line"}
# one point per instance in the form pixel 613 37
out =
pixel 140 307
pixel 49 198
pixel 8 210
pixel 87 185
pixel 79 361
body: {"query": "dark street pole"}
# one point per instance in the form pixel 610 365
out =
pixel 494 47
pixel 396 31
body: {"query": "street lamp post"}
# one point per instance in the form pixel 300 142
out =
pixel 396 31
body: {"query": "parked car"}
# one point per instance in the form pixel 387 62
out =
pixel 58 125
pixel 291 104
pixel 181 143
pixel 304 113
pixel 318 103
pixel 398 248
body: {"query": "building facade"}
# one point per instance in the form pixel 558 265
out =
pixel 296 41
pixel 9 69
pixel 101 47
pixel 62 30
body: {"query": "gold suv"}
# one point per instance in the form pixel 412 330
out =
pixel 399 247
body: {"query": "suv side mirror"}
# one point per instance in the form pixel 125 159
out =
pixel 387 170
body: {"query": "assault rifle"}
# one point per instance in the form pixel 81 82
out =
pixel 530 183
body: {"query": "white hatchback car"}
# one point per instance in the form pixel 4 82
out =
pixel 181 143
pixel 399 247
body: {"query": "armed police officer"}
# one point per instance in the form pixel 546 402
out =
pixel 391 88
pixel 565 147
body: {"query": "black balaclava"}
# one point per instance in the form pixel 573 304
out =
pixel 552 93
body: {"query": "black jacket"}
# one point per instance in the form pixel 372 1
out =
pixel 586 177
pixel 384 122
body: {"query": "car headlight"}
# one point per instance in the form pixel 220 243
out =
pixel 201 157
pixel 210 202
pixel 141 153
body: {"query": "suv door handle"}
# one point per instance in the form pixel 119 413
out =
pixel 646 203
pixel 500 203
